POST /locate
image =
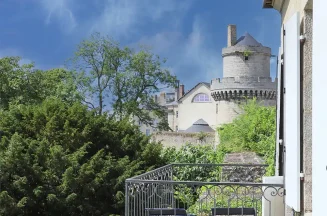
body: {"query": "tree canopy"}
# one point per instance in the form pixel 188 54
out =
pixel 60 153
pixel 24 84
pixel 63 159
pixel 125 79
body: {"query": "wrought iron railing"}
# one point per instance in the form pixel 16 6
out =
pixel 203 189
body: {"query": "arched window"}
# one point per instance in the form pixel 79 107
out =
pixel 201 98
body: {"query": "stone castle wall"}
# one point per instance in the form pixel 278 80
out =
pixel 243 79
pixel 227 112
pixel 244 82
pixel 246 173
pixel 257 65
pixel 178 139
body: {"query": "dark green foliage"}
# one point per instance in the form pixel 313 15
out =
pixel 61 159
pixel 23 84
pixel 191 153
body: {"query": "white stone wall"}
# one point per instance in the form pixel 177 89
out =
pixel 190 112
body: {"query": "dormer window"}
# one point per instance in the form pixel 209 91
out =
pixel 202 97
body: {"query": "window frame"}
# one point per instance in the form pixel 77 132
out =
pixel 196 100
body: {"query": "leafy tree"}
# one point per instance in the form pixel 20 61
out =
pixel 98 59
pixel 191 153
pixel 142 79
pixel 60 158
pixel 23 84
pixel 14 82
pixel 125 77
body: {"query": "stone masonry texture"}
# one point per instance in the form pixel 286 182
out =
pixel 242 79
pixel 231 35
pixel 243 174
pixel 178 139
pixel 307 111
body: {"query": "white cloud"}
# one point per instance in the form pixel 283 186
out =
pixel 190 57
pixel 122 18
pixel 60 11
pixel 201 54
pixel 118 18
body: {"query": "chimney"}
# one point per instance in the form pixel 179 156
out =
pixel 177 96
pixel 181 91
pixel 162 99
pixel 231 35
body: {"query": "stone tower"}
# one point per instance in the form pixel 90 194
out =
pixel 246 74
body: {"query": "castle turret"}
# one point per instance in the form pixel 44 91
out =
pixel 246 58
pixel 246 74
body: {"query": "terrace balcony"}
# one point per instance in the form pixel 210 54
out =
pixel 203 190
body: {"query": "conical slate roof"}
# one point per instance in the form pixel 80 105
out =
pixel 200 122
pixel 247 40
pixel 199 126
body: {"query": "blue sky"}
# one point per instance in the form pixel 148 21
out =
pixel 188 33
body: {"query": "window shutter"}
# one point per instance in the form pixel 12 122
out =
pixel 279 115
pixel 292 111
pixel 319 115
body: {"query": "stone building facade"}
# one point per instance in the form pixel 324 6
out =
pixel 246 74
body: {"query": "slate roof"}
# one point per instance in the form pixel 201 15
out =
pixel 175 103
pixel 199 126
pixel 189 91
pixel 200 122
pixel 247 40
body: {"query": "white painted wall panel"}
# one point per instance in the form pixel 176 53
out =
pixel 319 104
pixel 292 111
pixel 272 205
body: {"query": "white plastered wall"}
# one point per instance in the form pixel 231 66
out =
pixel 190 112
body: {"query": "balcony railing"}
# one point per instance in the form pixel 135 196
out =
pixel 203 189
